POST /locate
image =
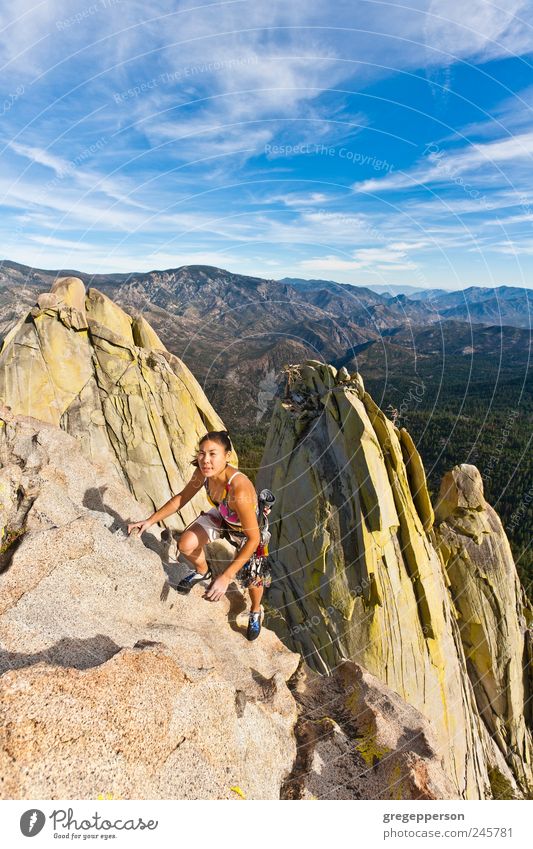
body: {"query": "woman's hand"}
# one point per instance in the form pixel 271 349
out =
pixel 218 588
pixel 141 526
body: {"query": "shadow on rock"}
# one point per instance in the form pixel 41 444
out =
pixel 93 500
pixel 237 604
pixel 68 652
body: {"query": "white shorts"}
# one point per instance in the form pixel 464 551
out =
pixel 212 524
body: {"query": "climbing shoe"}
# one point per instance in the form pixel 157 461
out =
pixel 189 581
pixel 254 626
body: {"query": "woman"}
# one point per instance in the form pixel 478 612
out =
pixel 232 515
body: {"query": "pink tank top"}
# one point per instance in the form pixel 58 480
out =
pixel 229 516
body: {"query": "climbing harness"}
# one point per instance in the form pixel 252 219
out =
pixel 257 571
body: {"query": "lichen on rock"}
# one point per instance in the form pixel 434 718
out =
pixel 358 739
pixel 358 572
pixel 80 362
pixel 491 612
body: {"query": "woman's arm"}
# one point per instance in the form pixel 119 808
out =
pixel 173 504
pixel 245 501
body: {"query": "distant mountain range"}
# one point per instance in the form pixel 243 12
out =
pixel 510 306
pixel 380 288
pixel 236 332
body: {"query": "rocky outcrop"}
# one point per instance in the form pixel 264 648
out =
pixel 138 727
pixel 359 740
pixel 415 616
pixel 78 361
pixel 110 682
pixel 358 575
pixel 492 611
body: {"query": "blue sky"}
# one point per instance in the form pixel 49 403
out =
pixel 364 142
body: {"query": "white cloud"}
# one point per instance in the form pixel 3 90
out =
pixel 397 266
pixel 72 172
pixel 384 257
pixel 478 27
pixel 39 34
pixel 330 263
pixel 185 172
pixel 408 246
pixel 522 247
pixel 369 255
pixel 43 157
pixel 448 166
pixel 67 244
pixel 292 200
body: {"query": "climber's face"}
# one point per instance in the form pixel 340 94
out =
pixel 212 458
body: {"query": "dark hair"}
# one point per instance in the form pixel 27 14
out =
pixel 220 436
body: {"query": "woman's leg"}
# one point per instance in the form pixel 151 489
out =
pixel 256 594
pixel 191 544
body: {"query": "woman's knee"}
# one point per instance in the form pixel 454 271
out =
pixel 189 543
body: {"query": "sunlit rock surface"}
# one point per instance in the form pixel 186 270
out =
pixel 358 575
pixel 357 739
pixel 79 361
pixel 111 682
pixel 492 613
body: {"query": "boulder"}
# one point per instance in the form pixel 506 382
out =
pixel 358 740
pixel 80 362
pixel 138 726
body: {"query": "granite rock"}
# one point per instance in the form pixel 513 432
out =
pixel 111 682
pixel 360 575
pixel 79 361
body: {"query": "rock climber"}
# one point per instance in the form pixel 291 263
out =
pixel 232 516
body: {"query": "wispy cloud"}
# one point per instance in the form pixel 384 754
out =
pixel 385 257
pixel 331 264
pixel 445 166
pixel 143 134
pixel 479 28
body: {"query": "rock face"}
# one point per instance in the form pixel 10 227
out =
pixel 78 361
pixel 358 575
pixel 359 740
pixel 110 682
pixel 160 734
pixel 492 613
